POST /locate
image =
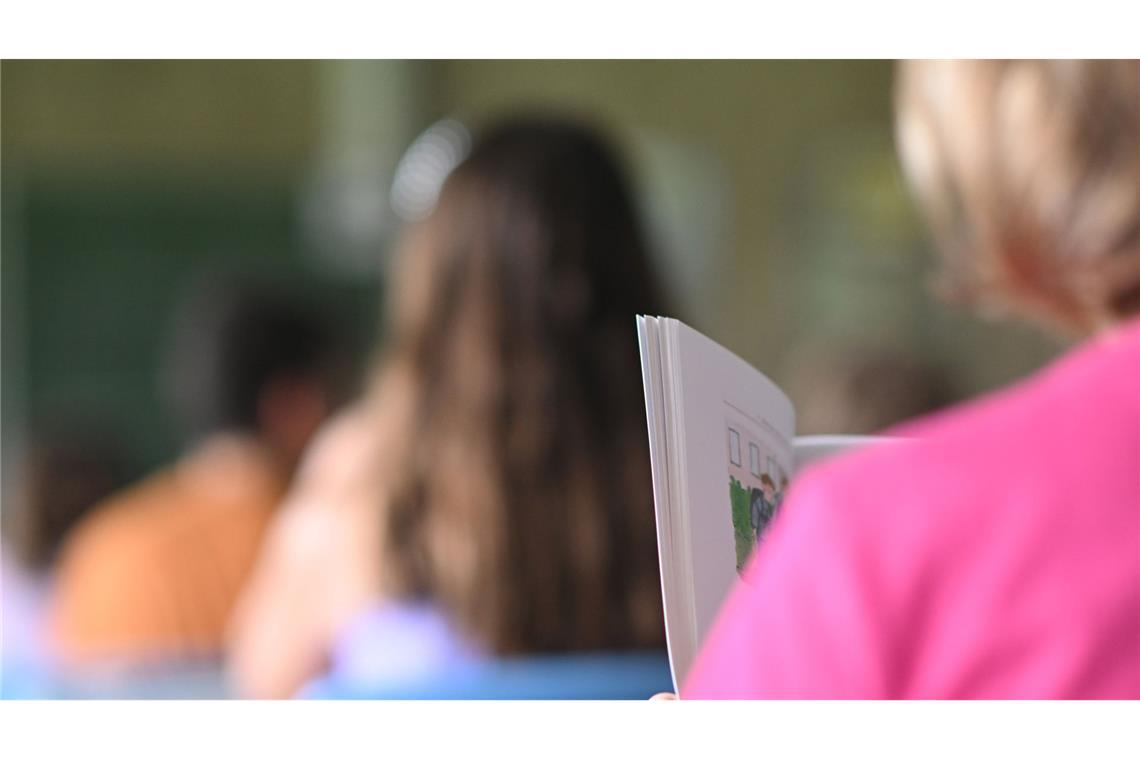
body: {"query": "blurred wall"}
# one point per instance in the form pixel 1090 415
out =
pixel 198 117
pixel 122 182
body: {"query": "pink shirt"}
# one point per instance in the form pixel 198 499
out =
pixel 997 557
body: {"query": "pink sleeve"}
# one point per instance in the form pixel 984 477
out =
pixel 800 623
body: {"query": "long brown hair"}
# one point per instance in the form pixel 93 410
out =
pixel 515 463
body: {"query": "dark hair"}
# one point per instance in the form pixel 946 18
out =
pixel 231 339
pixel 861 388
pixel 516 467
pixel 70 466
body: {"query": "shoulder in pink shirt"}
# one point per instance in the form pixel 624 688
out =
pixel 996 556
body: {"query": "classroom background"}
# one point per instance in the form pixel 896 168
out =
pixel 775 203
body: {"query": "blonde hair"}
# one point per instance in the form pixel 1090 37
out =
pixel 1029 174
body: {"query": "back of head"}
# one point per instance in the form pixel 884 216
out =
pixel 1030 174
pixel 861 390
pixel 517 466
pixel 242 357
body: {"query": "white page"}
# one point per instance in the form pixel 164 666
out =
pixel 810 449
pixel 713 419
pixel 675 602
pixel 735 425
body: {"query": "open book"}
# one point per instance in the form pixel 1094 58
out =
pixel 723 449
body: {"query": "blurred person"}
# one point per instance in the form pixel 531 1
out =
pixel 67 469
pixel 153 572
pixel 492 495
pixel 998 554
pixel 862 390
pixel 25 665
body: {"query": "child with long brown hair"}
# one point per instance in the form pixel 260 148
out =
pixel 497 475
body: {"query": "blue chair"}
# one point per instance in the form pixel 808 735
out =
pixel 22 680
pixel 176 680
pixel 595 675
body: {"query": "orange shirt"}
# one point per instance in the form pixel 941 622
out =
pixel 154 572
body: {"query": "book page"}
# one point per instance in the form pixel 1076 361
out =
pixel 736 430
pixel 674 584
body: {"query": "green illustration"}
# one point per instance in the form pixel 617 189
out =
pixel 743 533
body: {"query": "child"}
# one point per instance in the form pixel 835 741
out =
pixel 998 556
pixel 492 496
